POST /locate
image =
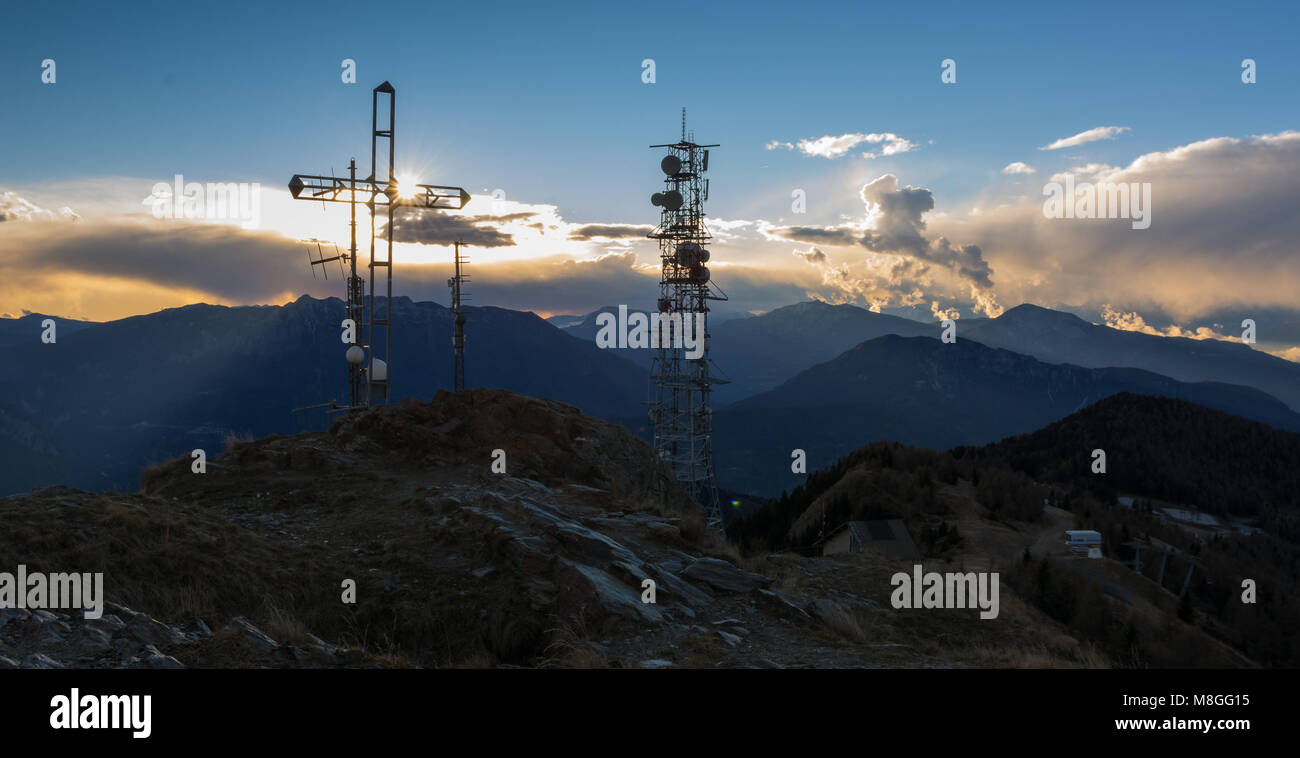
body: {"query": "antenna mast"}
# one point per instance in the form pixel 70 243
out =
pixel 680 411
pixel 368 364
pixel 458 319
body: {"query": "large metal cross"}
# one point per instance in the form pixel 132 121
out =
pixel 369 369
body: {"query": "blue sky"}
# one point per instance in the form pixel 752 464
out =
pixel 546 103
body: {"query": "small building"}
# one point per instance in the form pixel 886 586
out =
pixel 887 536
pixel 1084 541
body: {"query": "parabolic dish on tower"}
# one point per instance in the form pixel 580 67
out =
pixel 671 165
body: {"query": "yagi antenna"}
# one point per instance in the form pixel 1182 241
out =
pixel 322 260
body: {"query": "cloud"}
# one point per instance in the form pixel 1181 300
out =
pixel 1290 354
pixel 504 218
pixel 1222 239
pixel 107 269
pixel 727 230
pixel 894 226
pixel 822 235
pixel 1092 135
pixel 832 147
pixel 879 282
pixel 1093 171
pixel 942 314
pixel 1019 168
pixel 1222 246
pixel 609 231
pixel 232 263
pixel 899 228
pixel 812 255
pixel 1134 322
pixel 562 284
pixel 15 208
pixel 430 227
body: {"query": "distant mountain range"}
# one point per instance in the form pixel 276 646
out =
pixel 756 354
pixel 19 331
pixel 585 326
pixel 921 391
pixel 106 399
pixel 1057 337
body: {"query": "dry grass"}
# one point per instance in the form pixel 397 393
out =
pixel 1036 657
pixel 570 646
pixel 125 515
pixel 479 660
pixel 692 528
pixel 284 628
pixel 702 651
pixel 391 661
pixel 233 440
pixel 843 621
pixel 178 561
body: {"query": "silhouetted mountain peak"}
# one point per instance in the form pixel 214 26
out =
pixel 308 300
pixel 815 309
pixel 1030 313
pixel 808 306
pixel 38 317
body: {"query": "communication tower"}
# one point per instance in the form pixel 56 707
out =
pixel 680 412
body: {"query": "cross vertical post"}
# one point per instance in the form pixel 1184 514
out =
pixel 369 376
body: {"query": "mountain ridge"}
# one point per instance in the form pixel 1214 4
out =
pixel 116 396
pixel 921 391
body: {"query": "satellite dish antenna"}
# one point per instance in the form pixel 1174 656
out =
pixel 671 165
pixel 657 198
pixel 672 200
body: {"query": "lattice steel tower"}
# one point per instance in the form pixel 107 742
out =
pixel 680 411
pixel 456 283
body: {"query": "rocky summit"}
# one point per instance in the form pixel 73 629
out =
pixel 482 529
